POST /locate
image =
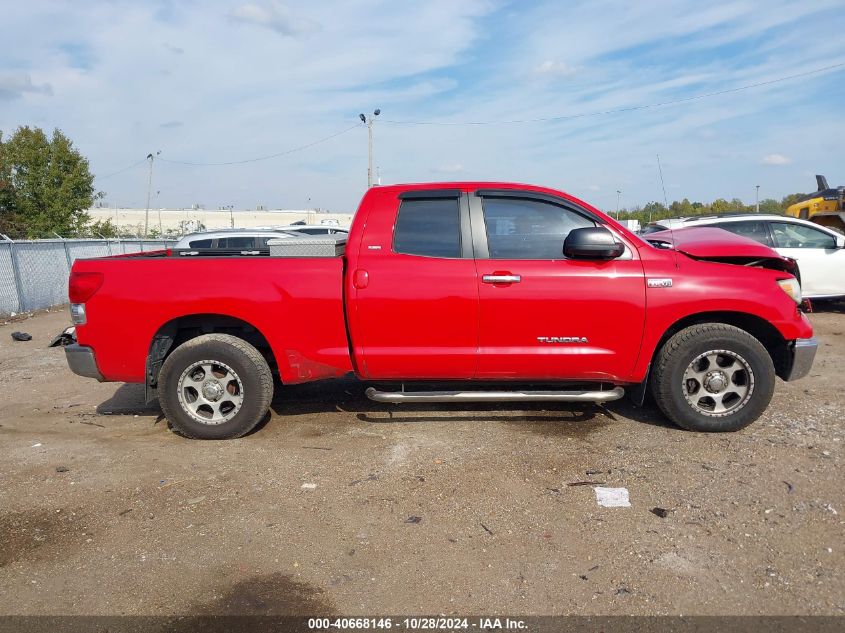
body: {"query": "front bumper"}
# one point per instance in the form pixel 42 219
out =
pixel 803 352
pixel 82 362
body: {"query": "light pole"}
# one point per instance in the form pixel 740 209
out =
pixel 618 194
pixel 757 203
pixel 151 158
pixel 231 215
pixel 369 123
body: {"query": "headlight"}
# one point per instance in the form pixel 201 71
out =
pixel 792 288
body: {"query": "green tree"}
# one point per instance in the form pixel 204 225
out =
pixel 45 185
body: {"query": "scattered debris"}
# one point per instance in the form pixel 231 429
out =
pixel 62 469
pixel 594 471
pixel 789 487
pixel 622 590
pixel 486 529
pixel 585 483
pixel 660 512
pixel 370 477
pixel 21 336
pixel 309 486
pixel 67 337
pixel 612 497
pixel 582 577
pixel 36 445
pixel 317 448
pixel 413 519
pixel 830 508
pixel 125 512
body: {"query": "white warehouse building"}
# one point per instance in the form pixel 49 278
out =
pixel 179 220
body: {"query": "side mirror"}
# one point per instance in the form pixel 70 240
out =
pixel 840 242
pixel 592 242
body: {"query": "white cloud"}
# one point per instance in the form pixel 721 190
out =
pixel 451 168
pixel 274 16
pixel 555 68
pixel 15 85
pixel 776 159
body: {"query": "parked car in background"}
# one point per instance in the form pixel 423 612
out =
pixel 819 250
pixel 251 238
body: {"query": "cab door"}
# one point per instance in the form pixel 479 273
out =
pixel 543 316
pixel 415 309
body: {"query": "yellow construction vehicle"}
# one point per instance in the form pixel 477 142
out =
pixel 824 206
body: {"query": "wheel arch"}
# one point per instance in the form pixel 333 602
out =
pixel 178 330
pixel 758 327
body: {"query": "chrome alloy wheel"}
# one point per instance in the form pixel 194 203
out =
pixel 718 383
pixel 210 392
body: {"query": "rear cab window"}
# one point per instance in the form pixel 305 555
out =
pixel 428 228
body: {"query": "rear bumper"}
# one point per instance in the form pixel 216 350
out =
pixel 803 354
pixel 82 362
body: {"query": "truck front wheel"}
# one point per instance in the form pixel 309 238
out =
pixel 713 377
pixel 215 387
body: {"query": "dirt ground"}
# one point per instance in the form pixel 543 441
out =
pixel 341 505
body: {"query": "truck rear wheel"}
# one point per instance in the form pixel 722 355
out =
pixel 215 387
pixel 713 377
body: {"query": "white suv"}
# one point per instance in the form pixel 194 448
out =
pixel 819 251
pixel 253 238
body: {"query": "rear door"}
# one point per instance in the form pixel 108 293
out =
pixel 822 265
pixel 543 316
pixel 414 283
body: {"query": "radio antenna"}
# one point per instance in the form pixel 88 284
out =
pixel 666 206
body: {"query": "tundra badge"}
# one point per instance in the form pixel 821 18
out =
pixel 659 283
pixel 562 339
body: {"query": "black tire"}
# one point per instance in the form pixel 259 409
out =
pixel 743 362
pixel 233 361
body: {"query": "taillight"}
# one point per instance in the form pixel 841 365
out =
pixel 82 286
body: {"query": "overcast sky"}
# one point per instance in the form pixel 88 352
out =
pixel 221 81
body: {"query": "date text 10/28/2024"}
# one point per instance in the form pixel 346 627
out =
pixel 417 624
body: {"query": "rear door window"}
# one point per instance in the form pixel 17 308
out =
pixel 752 229
pixel 520 228
pixel 430 228
pixel 200 244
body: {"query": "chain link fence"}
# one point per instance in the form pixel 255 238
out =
pixel 34 273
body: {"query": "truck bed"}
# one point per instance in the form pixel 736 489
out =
pixel 297 303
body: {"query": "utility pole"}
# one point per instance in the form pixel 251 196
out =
pixel 757 203
pixel 369 123
pixel 232 215
pixel 618 194
pixel 150 158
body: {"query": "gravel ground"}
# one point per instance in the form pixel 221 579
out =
pixel 340 505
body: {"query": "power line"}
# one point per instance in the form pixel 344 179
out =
pixel 260 158
pixel 628 108
pixel 120 171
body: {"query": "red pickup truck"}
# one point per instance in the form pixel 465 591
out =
pixel 453 292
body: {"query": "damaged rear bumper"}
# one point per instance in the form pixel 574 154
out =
pixel 82 362
pixel 803 353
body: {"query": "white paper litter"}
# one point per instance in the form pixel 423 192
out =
pixel 36 445
pixel 612 497
pixel 309 486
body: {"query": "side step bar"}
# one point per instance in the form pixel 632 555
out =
pixel 494 396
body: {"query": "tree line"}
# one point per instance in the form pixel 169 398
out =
pixel 654 211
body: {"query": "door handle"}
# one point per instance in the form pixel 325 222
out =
pixel 501 279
